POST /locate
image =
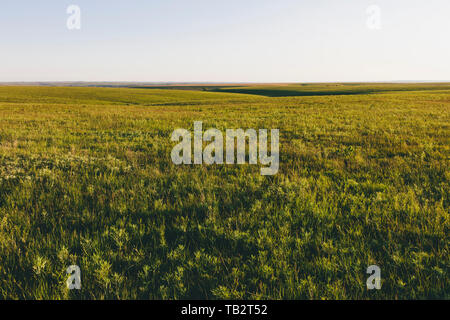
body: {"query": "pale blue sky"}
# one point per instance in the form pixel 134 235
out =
pixel 231 41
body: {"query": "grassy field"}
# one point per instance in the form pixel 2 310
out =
pixel 86 178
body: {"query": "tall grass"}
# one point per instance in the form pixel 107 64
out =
pixel 86 179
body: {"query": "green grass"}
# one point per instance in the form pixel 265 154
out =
pixel 86 178
pixel 324 89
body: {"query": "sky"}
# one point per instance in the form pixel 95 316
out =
pixel 225 41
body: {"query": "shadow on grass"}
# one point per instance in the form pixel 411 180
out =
pixel 293 93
